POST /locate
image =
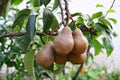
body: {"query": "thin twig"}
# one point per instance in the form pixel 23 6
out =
pixel 79 70
pixel 72 20
pixel 62 14
pixel 110 7
pixel 67 12
pixel 58 26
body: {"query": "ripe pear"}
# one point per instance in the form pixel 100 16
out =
pixel 80 42
pixel 45 57
pixel 64 42
pixel 77 58
pixel 60 59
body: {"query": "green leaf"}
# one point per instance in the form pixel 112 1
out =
pixel 58 68
pixel 100 27
pixel 37 3
pixel 47 19
pixel 105 22
pixel 16 2
pixel 31 27
pixel 21 16
pixel 30 30
pixel 50 68
pixel 108 46
pixel 113 20
pixel 55 5
pixel 99 5
pixel 45 2
pixel 6 9
pixel 29 62
pixel 79 21
pixel 97 15
pixel 54 23
pixel 111 11
pixel 72 26
pixel 97 46
pixel 92 74
pixel 76 14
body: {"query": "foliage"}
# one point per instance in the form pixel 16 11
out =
pixel 34 26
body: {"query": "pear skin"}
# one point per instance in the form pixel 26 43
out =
pixel 80 42
pixel 60 59
pixel 64 42
pixel 77 58
pixel 45 57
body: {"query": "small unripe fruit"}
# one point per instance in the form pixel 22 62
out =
pixel 64 42
pixel 45 57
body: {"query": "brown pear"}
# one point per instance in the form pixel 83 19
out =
pixel 45 57
pixel 80 42
pixel 60 59
pixel 64 42
pixel 77 58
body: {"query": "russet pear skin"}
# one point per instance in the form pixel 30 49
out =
pixel 76 58
pixel 64 42
pixel 60 59
pixel 80 42
pixel 45 57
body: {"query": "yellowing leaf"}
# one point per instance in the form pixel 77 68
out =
pixel 82 70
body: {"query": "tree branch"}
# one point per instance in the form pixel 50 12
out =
pixel 67 12
pixel 62 14
pixel 110 7
pixel 11 34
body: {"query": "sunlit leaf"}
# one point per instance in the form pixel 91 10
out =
pixel 55 5
pixel 16 2
pixel 96 15
pixel 99 5
pixel 108 46
pixel 97 46
pixel 113 20
pixel 79 21
pixel 47 19
pixel 111 11
pixel 29 62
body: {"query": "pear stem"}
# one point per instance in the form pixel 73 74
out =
pixel 67 12
pixel 62 14
pixel 78 71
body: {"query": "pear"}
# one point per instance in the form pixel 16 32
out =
pixel 64 42
pixel 60 59
pixel 77 58
pixel 80 42
pixel 45 57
